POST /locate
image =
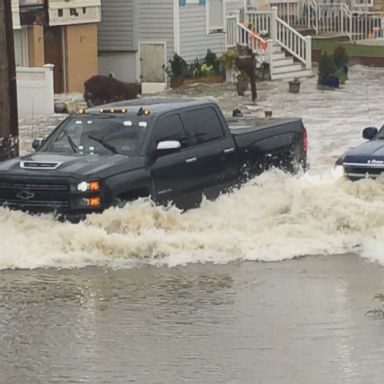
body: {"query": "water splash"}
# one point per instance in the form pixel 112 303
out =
pixel 272 218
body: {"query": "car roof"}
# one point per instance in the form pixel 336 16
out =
pixel 154 104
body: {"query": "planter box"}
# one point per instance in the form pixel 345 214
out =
pixel 294 86
pixel 328 82
pixel 177 82
pixel 205 79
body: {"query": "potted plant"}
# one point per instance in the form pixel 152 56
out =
pixel 327 72
pixel 294 85
pixel 228 61
pixel 341 59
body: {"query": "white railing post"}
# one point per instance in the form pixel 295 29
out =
pixel 273 33
pixel 308 52
pixel 270 56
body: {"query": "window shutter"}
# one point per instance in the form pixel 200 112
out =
pixel 216 15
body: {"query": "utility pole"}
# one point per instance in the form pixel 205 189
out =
pixel 9 129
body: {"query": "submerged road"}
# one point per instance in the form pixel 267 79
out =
pixel 281 282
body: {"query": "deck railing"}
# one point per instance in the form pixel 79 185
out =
pixel 278 31
pixel 336 17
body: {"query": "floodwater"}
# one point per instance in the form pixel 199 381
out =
pixel 279 282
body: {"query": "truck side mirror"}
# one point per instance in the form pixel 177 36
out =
pixel 369 133
pixel 37 143
pixel 168 145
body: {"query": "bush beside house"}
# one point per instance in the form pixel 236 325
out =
pixel 333 69
pixel 210 69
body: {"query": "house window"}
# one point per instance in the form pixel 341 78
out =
pixel 215 15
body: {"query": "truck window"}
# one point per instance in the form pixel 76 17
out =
pixel 205 125
pixel 170 128
pixel 98 134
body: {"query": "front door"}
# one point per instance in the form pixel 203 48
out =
pixel 53 52
pixel 152 61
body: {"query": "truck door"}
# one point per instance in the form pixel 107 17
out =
pixel 216 164
pixel 172 172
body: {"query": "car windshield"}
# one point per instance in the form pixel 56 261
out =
pixel 101 135
pixel 380 135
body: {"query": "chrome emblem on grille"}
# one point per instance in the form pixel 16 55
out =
pixel 25 195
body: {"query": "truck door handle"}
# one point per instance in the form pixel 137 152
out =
pixel 229 150
pixel 191 160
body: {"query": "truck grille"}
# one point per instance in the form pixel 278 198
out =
pixel 355 171
pixel 34 195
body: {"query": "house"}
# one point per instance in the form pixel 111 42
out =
pixel 58 32
pixel 138 37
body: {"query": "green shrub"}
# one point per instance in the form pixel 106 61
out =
pixel 211 61
pixel 178 67
pixel 228 59
pixel 327 66
pixel 340 56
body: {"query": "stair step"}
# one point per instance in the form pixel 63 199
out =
pixel 278 56
pixel 283 62
pixel 287 68
pixel 292 75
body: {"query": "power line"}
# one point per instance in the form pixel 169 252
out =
pixel 9 130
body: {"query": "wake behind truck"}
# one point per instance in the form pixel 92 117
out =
pixel 170 150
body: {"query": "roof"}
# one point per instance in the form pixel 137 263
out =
pixel 154 104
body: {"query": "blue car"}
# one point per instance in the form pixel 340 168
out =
pixel 366 160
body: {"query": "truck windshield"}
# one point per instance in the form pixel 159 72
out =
pixel 102 135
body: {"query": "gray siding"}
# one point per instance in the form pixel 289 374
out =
pixel 121 64
pixel 156 22
pixel 233 6
pixel 194 40
pixel 116 32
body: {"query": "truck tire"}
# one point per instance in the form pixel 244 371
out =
pixel 297 160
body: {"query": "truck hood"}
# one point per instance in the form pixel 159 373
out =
pixel 49 164
pixel 371 152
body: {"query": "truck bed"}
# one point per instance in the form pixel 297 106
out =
pixel 268 141
pixel 244 125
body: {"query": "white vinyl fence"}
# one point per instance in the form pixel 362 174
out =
pixel 35 94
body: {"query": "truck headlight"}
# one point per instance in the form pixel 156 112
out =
pixel 338 171
pixel 86 186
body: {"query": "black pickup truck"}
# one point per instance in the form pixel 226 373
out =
pixel 171 150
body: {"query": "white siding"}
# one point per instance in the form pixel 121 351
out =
pixel 156 22
pixel 64 12
pixel 233 6
pixel 56 4
pixel 116 32
pixel 194 40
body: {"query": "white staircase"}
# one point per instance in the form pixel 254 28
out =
pixel 285 67
pixel 286 50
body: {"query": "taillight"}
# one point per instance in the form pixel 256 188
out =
pixel 305 140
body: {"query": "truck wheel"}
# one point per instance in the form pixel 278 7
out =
pixel 297 160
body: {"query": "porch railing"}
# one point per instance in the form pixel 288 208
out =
pixel 238 33
pixel 335 17
pixel 293 42
pixel 278 31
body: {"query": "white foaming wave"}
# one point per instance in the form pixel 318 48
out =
pixel 272 218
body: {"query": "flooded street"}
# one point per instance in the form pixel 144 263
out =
pixel 313 320
pixel 280 282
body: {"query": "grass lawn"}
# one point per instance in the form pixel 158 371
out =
pixel 351 48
